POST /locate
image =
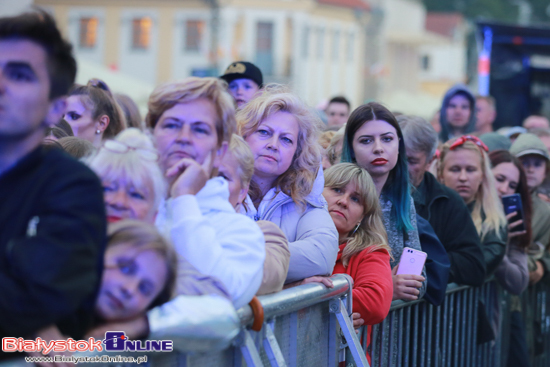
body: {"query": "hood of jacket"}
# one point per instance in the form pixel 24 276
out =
pixel 445 133
pixel 214 196
pixel 273 198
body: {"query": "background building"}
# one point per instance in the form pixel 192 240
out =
pixel 315 46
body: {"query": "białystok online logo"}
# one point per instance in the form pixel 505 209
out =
pixel 115 341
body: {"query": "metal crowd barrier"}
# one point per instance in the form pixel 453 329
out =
pixel 420 334
pixel 309 326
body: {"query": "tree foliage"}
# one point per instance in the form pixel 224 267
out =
pixel 502 10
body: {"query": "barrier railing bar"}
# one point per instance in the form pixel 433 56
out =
pixel 400 336
pixel 408 333
pixel 271 347
pixel 249 351
pixel 423 336
pixel 292 350
pixel 333 340
pixel 415 312
pixel 458 319
pixel 339 309
pixel 430 320
pixel 464 326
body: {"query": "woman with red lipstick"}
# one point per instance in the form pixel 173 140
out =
pixel 464 166
pixel 363 252
pixel 374 141
pixel 287 184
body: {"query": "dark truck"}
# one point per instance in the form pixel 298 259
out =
pixel 514 68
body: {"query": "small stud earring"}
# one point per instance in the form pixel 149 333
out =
pixel 98 131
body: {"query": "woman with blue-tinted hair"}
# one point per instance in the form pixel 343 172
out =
pixel 374 141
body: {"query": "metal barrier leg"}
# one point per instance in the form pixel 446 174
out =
pixel 249 351
pixel 272 348
pixel 338 308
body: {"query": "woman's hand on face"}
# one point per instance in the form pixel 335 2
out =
pixel 134 328
pixel 406 286
pixel 511 226
pixel 190 177
pixel 357 321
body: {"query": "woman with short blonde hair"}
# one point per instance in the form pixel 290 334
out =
pixel 170 94
pixel 287 184
pixel 133 183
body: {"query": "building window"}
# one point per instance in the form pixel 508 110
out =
pixel 88 32
pixel 351 46
pixel 305 43
pixel 194 31
pixel 141 33
pixel 264 47
pixel 425 62
pixel 335 45
pixel 320 43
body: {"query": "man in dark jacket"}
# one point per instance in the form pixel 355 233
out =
pixel 52 217
pixel 442 207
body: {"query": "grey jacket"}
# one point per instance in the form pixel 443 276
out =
pixel 312 236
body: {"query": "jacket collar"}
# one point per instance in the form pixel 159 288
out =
pixel 428 191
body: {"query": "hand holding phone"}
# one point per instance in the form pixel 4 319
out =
pixel 406 276
pixel 411 262
pixel 512 203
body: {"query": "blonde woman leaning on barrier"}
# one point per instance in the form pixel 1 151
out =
pixel 364 253
pixel 287 183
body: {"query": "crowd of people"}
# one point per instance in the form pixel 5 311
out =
pixel 231 188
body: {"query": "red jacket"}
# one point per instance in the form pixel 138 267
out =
pixel 373 286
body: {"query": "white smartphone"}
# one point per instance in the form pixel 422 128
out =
pixel 412 261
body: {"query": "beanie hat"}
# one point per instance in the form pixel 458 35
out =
pixel 243 70
pixel 495 141
pixel 527 144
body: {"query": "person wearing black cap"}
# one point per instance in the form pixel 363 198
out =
pixel 245 80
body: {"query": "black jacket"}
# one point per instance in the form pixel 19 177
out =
pixel 437 262
pixel 52 242
pixel 451 221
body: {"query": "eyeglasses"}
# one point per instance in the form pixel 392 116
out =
pixel 115 146
pixel 474 139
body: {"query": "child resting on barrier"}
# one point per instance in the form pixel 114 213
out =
pixel 364 253
pixel 139 273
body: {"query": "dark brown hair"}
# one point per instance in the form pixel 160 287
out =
pixel 503 156
pixel 40 27
pixel 99 99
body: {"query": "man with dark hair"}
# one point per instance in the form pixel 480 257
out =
pixel 338 111
pixel 52 217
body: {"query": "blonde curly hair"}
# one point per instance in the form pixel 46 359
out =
pixel 297 181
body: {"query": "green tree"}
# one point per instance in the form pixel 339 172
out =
pixel 501 10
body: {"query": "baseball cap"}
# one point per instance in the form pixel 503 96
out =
pixel 527 144
pixel 243 70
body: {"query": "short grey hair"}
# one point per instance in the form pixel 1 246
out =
pixel 419 135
